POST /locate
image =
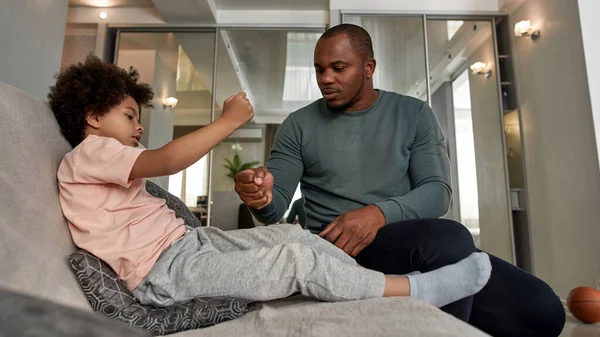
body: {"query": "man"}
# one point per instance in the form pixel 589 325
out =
pixel 374 172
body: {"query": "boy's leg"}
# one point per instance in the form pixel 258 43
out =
pixel 270 236
pixel 188 270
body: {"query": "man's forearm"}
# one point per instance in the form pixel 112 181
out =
pixel 273 212
pixel 430 200
pixel 285 164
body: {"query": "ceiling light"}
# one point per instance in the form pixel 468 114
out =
pixel 103 15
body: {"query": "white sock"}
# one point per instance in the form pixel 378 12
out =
pixel 453 282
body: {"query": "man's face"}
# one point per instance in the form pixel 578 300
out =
pixel 340 72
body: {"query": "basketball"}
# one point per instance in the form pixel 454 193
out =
pixel 584 304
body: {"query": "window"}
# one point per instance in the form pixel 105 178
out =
pixel 465 154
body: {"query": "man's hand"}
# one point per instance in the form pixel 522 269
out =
pixel 355 230
pixel 255 187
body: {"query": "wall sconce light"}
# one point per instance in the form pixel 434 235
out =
pixel 103 15
pixel 480 68
pixel 523 28
pixel 170 102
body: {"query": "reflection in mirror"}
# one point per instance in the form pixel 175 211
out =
pixel 177 65
pixel 275 69
pixel 453 46
pixel 465 87
pixel 465 155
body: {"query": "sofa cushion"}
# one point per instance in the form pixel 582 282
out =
pixel 27 316
pixel 34 238
pixel 111 298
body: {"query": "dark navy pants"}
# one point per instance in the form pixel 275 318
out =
pixel 513 303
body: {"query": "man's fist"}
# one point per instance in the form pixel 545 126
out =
pixel 237 110
pixel 255 187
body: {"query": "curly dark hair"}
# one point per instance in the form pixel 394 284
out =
pixel 92 87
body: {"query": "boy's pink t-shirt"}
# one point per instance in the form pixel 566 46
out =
pixel 111 216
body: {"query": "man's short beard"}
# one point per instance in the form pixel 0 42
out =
pixel 345 106
pixel 340 108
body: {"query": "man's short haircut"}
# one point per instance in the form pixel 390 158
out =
pixel 360 40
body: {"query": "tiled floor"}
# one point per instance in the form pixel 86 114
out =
pixel 574 328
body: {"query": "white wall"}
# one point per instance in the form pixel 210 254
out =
pixel 590 26
pixel 559 144
pixel 78 43
pixel 31 36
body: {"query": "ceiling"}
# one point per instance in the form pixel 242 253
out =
pixel 111 3
pixel 272 4
pixel 220 4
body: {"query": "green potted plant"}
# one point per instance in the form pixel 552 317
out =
pixel 235 166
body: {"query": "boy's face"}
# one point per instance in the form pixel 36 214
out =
pixel 120 123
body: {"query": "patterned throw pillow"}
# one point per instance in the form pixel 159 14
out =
pixel 174 203
pixel 111 298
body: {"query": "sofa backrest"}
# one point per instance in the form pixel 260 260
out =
pixel 34 238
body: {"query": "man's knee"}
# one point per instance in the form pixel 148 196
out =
pixel 546 314
pixel 447 241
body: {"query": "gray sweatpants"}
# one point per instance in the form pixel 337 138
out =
pixel 257 264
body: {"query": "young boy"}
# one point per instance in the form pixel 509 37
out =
pixel 163 261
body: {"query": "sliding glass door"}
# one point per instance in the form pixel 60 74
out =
pixel 275 69
pixel 201 69
pixel 178 65
pixel 451 63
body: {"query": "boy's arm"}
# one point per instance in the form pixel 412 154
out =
pixel 182 152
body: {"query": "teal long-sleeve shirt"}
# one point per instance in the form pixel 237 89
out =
pixel 392 155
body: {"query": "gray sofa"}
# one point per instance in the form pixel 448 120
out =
pixel 35 243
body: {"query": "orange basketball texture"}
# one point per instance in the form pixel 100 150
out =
pixel 584 304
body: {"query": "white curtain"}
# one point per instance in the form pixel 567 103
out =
pixel 399 48
pixel 300 79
